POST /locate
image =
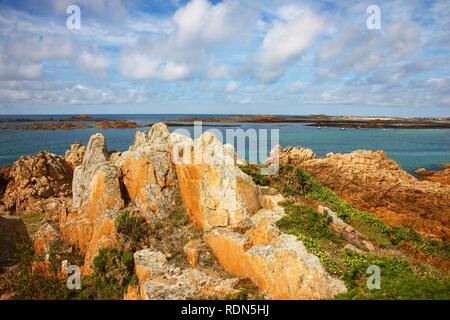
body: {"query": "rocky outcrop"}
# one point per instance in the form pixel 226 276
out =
pixel 74 156
pixel 239 221
pixel 148 173
pixel 442 176
pixel 160 170
pixel 12 233
pixel 283 267
pixel 97 199
pixel 32 181
pixel 373 182
pixel 215 192
pixel 159 280
pixel 277 263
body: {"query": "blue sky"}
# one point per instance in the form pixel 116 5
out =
pixel 232 56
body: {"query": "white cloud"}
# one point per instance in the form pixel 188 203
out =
pixel 136 65
pixel 54 93
pixel 95 63
pixel 231 86
pixel 295 87
pixel 204 23
pixel 286 40
pixel 13 70
pixel 199 27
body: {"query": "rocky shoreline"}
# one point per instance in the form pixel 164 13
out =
pixel 320 121
pixel 206 227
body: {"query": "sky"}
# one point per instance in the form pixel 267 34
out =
pixel 225 57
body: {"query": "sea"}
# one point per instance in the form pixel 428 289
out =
pixel 411 148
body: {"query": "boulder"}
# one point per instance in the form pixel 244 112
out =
pixel 159 280
pixel 34 180
pixel 442 176
pixel 4 174
pixel 284 268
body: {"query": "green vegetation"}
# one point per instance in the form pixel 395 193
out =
pixel 113 273
pixel 253 171
pixel 302 184
pixel 33 278
pixel 132 228
pixel 306 221
pixel 400 278
pixel 114 267
pixel 28 281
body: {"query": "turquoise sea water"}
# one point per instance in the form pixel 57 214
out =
pixel 411 148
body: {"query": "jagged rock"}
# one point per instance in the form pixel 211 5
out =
pixel 285 269
pixel 265 232
pixel 96 155
pixel 74 156
pixel 33 180
pixel 97 199
pixel 148 172
pixel 336 222
pixel 12 232
pixel 214 191
pixel 221 199
pixel 290 155
pixel 159 280
pixel 149 263
pixel 44 238
pixel 132 293
pixel 373 182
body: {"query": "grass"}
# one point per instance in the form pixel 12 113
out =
pixel 254 172
pixel 304 220
pixel 398 280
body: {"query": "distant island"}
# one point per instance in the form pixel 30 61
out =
pixel 321 121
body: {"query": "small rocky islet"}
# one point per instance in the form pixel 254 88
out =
pixel 143 225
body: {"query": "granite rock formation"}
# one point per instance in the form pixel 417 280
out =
pixel 33 181
pixel 373 182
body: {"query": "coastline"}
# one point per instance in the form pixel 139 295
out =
pixel 320 121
